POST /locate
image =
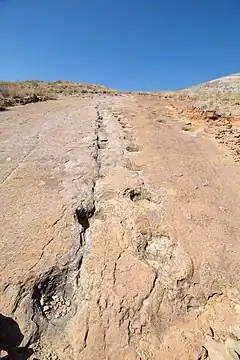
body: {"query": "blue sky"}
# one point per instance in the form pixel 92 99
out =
pixel 124 44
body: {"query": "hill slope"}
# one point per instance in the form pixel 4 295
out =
pixel 119 229
pixel 25 92
pixel 226 84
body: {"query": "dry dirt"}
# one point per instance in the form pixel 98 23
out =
pixel 119 231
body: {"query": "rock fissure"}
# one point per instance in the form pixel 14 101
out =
pixel 99 122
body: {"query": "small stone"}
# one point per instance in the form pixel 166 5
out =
pixel 61 301
pixel 42 300
pixel 3 354
pixel 57 315
pixel 64 312
pixel 68 302
pixel 41 183
pixel 55 306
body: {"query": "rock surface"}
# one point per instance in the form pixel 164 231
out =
pixel 119 233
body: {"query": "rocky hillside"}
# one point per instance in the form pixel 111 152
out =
pixel 226 84
pixel 119 226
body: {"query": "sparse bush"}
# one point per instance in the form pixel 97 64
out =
pixel 4 90
pixel 23 92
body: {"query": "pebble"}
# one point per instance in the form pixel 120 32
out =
pixel 42 300
pixel 68 302
pixel 55 297
pixel 46 308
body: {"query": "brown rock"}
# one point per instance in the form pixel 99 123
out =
pixel 105 252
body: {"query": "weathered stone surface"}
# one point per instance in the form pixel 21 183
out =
pixel 119 233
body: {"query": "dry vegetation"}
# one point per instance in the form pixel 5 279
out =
pixel 15 93
pixel 222 103
pixel 210 96
pixel 221 96
pixel 218 113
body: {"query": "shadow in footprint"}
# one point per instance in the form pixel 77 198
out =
pixel 136 194
pixel 10 340
pixel 161 121
pixel 133 148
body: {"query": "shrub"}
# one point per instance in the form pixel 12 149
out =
pixel 4 90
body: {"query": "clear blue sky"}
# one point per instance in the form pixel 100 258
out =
pixel 125 44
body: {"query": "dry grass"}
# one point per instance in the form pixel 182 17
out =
pixel 226 84
pixel 223 103
pixel 14 93
pixel 221 95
